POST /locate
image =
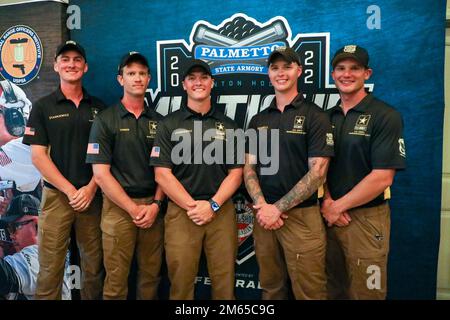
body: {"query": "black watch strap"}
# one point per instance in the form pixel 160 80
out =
pixel 158 203
pixel 214 205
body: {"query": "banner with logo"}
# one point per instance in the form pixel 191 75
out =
pixel 406 45
pixel 29 33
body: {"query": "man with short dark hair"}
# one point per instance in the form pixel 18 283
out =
pixel 119 148
pixel 58 132
pixel 200 213
pixel 289 233
pixel 369 150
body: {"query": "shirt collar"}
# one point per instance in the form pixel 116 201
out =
pixel 361 107
pixel 60 97
pixel 124 112
pixel 295 103
pixel 188 113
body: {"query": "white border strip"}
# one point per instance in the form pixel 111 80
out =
pixel 12 2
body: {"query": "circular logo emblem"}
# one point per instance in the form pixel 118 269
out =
pixel 21 54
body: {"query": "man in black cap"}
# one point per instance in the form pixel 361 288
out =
pixel 369 150
pixel 200 213
pixel 293 247
pixel 18 271
pixel 58 132
pixel 23 211
pixel 119 148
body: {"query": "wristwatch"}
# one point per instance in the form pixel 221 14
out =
pixel 214 205
pixel 158 203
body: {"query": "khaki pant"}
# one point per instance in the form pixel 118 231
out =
pixel 296 249
pixel 184 241
pixel 357 255
pixel 55 223
pixel 121 239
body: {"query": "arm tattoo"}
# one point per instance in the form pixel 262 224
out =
pixel 306 186
pixel 252 183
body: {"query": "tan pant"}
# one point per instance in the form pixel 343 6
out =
pixel 55 223
pixel 296 249
pixel 121 239
pixel 357 255
pixel 184 241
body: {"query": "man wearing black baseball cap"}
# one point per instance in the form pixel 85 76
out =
pixel 22 211
pixel 353 52
pixel 369 150
pixel 18 271
pixel 119 148
pixel 289 248
pixel 286 54
pixel 196 64
pixel 200 213
pixel 132 57
pixel 62 120
pixel 70 45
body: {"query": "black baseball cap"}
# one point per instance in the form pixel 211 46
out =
pixel 196 63
pixel 21 205
pixel 68 46
pixel 130 57
pixel 351 51
pixel 286 53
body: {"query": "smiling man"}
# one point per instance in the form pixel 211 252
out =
pixel 289 233
pixel 369 150
pixel 120 144
pixel 58 132
pixel 200 213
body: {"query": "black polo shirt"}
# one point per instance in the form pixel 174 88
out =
pixel 369 137
pixel 304 132
pixel 119 139
pixel 200 179
pixel 56 122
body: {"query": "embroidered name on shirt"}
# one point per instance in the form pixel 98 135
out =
pixel 182 131
pixel 64 115
pixel 124 129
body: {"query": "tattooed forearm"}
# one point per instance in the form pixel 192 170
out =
pixel 306 186
pixel 252 183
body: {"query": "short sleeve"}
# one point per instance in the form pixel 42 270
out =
pixel 388 149
pixel 100 146
pixel 239 141
pixel 36 130
pixel 162 147
pixel 320 134
pixel 251 136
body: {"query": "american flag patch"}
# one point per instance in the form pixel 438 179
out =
pixel 155 152
pixel 93 148
pixel 29 131
pixel 4 159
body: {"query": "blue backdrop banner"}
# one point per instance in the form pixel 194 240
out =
pixel 405 40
